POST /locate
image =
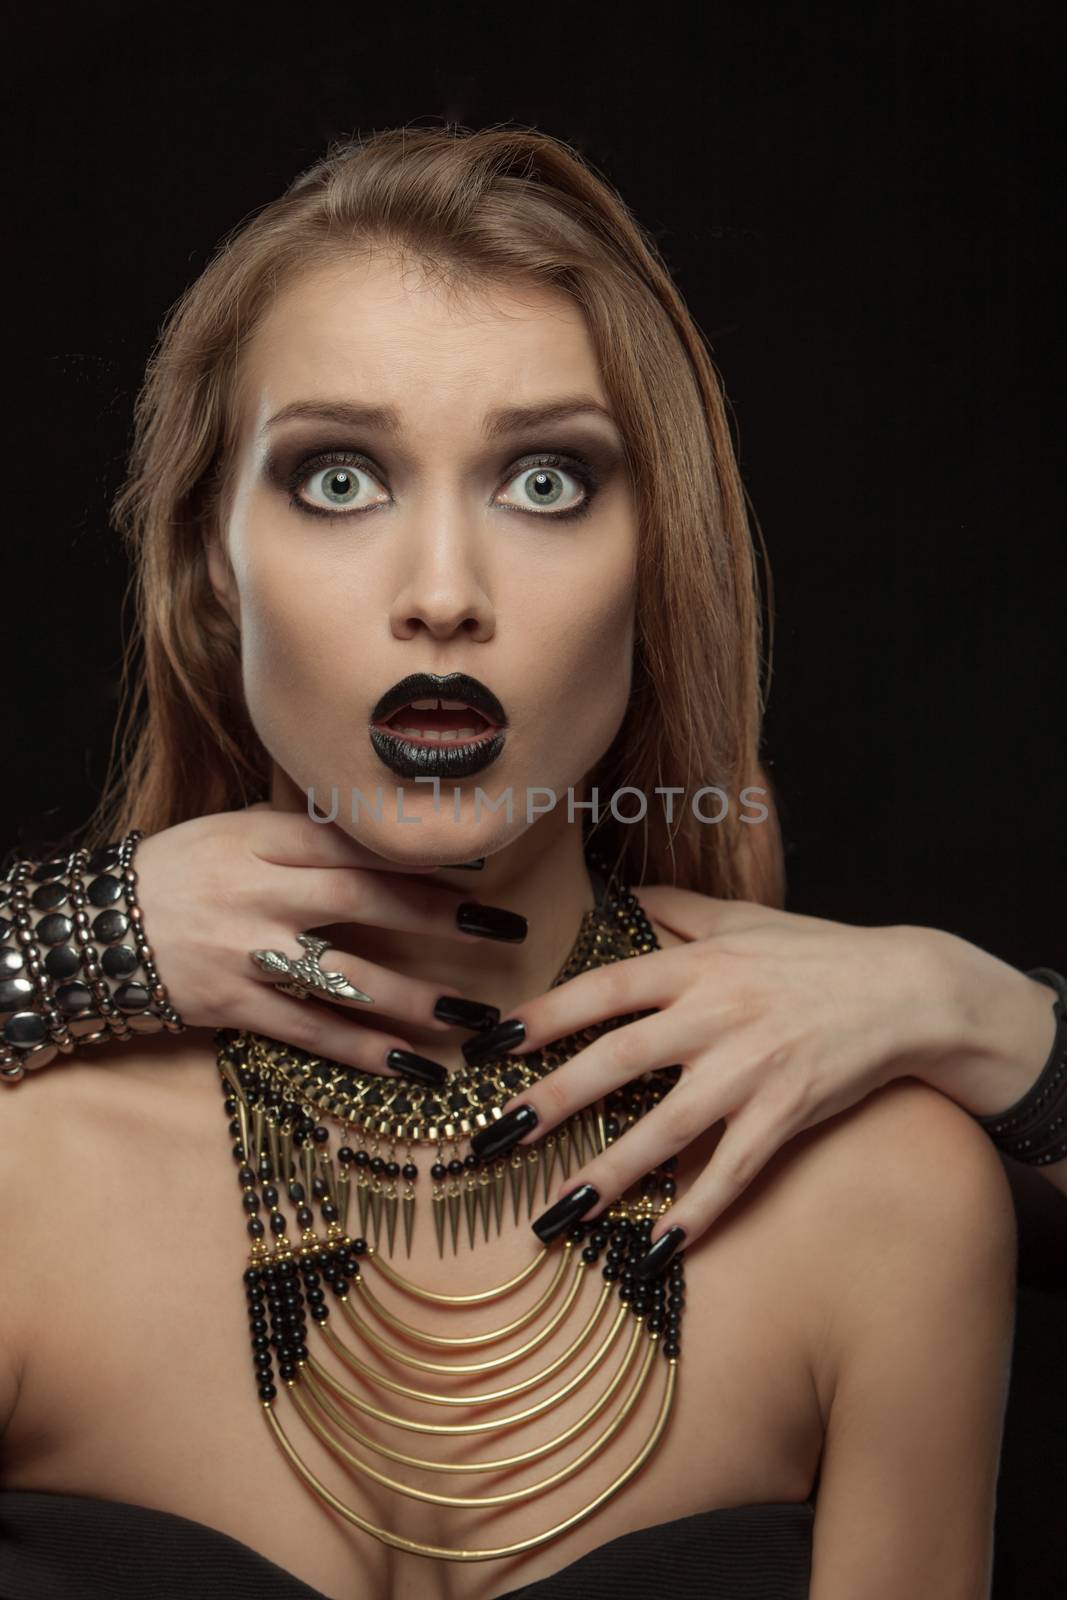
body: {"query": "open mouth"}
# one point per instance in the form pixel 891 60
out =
pixel 437 721
pixel 434 725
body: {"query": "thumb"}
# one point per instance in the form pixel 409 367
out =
pixel 691 915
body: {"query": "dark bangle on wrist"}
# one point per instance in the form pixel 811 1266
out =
pixel 75 968
pixel 1034 1129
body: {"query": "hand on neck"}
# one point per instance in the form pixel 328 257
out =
pixel 541 874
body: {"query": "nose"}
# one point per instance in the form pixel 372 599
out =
pixel 443 590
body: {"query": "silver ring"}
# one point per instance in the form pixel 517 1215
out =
pixel 305 977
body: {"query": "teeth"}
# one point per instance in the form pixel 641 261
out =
pixel 439 705
pixel 448 737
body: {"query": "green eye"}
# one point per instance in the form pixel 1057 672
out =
pixel 340 484
pixel 541 486
pixel 336 479
pixel 543 483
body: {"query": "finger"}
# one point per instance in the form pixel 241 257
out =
pixel 752 1137
pixel 669 1127
pixel 293 839
pixel 391 993
pixel 695 916
pixel 614 990
pixel 614 1059
pixel 320 897
pixel 317 1030
pixel 749 1142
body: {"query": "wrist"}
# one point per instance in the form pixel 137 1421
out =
pixel 997 1026
pixel 78 969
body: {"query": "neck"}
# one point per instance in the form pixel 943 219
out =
pixel 541 874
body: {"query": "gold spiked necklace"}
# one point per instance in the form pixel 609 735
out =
pixel 280 1100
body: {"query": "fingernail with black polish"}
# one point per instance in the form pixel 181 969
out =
pixel 491 922
pixel 502 1134
pixel 496 1041
pixel 551 1223
pixel 468 866
pixel 659 1255
pixel 465 1013
pixel 419 1069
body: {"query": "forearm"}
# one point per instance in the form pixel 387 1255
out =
pixel 997 1029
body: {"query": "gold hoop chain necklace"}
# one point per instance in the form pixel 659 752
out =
pixel 279 1100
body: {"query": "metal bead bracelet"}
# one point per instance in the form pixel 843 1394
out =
pixel 1034 1129
pixel 69 976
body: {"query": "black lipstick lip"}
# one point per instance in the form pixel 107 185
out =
pixel 453 686
pixel 431 759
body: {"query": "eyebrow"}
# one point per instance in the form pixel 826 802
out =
pixel 386 419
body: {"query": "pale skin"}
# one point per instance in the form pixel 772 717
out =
pixel 853 1301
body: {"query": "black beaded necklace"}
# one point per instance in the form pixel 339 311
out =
pixel 280 1100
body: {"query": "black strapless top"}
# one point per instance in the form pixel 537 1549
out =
pixel 73 1547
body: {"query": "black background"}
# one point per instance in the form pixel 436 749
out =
pixel 858 204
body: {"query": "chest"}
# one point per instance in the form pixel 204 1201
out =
pixel 139 1387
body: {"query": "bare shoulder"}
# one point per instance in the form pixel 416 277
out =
pixel 110 1085
pixel 80 1117
pixel 906 1145
pixel 907 1308
pixel 905 1206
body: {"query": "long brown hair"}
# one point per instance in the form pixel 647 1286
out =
pixel 478 207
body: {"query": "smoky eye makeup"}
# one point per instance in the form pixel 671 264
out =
pixel 287 467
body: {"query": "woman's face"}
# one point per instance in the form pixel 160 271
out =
pixel 432 538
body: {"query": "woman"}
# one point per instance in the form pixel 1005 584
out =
pixel 440 411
